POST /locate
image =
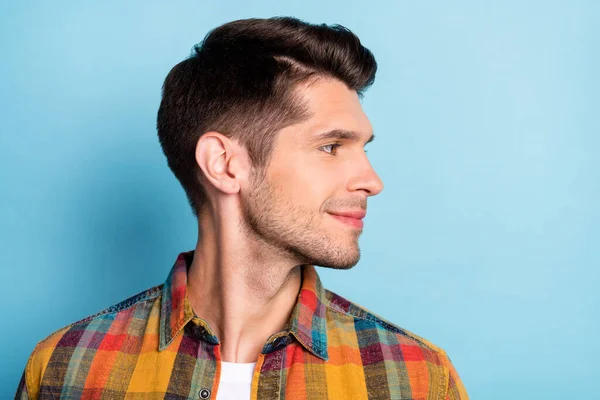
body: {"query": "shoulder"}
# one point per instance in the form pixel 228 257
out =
pixel 366 319
pixel 379 343
pixel 59 347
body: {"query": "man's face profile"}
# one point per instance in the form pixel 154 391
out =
pixel 310 177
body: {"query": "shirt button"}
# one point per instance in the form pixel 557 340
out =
pixel 204 394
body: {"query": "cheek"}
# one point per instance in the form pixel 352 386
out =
pixel 305 183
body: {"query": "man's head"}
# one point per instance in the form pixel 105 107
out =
pixel 270 88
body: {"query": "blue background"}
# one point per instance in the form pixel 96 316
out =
pixel 485 240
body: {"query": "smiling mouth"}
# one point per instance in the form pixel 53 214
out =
pixel 353 222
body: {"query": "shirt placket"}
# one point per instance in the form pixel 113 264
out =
pixel 205 378
pixel 266 380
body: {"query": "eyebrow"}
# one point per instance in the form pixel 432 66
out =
pixel 341 134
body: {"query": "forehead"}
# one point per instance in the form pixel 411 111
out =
pixel 332 106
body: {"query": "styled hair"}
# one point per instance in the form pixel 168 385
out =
pixel 240 80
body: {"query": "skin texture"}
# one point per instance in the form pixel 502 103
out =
pixel 257 230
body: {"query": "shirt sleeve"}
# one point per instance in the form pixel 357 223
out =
pixel 455 389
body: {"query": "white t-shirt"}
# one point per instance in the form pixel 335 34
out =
pixel 236 380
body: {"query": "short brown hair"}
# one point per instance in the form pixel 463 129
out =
pixel 239 81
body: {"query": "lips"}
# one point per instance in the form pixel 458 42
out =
pixel 350 214
pixel 352 218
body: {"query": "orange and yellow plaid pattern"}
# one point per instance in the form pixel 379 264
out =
pixel 153 346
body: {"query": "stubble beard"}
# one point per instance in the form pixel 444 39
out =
pixel 293 231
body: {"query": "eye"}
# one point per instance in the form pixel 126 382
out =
pixel 333 147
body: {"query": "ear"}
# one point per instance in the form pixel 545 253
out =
pixel 222 162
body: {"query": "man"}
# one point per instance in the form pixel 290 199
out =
pixel 263 127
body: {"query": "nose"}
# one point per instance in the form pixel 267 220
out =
pixel 366 179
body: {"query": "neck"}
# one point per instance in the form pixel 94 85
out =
pixel 241 287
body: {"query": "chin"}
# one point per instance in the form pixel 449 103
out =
pixel 340 262
pixel 341 266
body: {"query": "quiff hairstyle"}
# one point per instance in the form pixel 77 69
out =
pixel 239 81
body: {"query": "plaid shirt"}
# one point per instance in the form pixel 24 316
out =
pixel 153 346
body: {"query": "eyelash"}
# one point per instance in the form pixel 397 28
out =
pixel 334 146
